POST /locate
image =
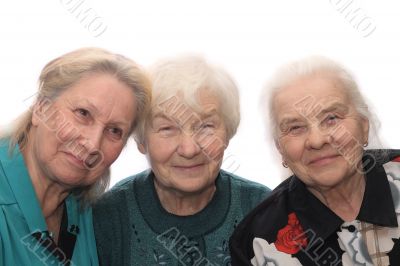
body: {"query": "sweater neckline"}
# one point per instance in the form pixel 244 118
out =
pixel 194 225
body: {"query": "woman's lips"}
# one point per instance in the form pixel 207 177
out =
pixel 323 160
pixel 89 162
pixel 188 167
pixel 93 160
pixel 75 160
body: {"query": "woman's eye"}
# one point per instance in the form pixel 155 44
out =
pixel 168 131
pixel 330 120
pixel 82 112
pixel 296 130
pixel 206 128
pixel 167 128
pixel 116 132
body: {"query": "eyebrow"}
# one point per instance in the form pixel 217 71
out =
pixel 161 116
pixel 289 120
pixel 90 105
pixel 202 115
pixel 209 113
pixel 333 107
pixel 96 111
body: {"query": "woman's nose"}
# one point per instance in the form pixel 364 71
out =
pixel 316 138
pixel 188 147
pixel 89 140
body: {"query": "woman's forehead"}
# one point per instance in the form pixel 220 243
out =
pixel 202 103
pixel 314 89
pixel 188 116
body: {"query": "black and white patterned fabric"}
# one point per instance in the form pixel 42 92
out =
pixel 318 236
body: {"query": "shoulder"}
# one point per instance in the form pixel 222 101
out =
pixel 4 145
pixel 127 183
pixel 262 222
pixel 6 194
pixel 116 196
pixel 7 197
pixel 241 182
pixel 388 158
pixel 248 193
pixel 392 169
pixel 264 218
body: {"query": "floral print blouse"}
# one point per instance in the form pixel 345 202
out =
pixel 292 227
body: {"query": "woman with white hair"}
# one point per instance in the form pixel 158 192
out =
pixel 341 205
pixel 184 209
pixel 55 161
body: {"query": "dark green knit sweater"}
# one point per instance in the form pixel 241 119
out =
pixel 132 228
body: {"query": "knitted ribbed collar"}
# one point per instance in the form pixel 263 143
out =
pixel 195 225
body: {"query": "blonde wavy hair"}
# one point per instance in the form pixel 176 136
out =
pixel 65 71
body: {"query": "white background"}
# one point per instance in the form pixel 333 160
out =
pixel 249 38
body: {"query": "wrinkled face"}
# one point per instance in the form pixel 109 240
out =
pixel 77 136
pixel 185 148
pixel 320 135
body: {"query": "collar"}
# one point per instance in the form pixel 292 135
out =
pixel 193 225
pixel 18 178
pixel 21 185
pixel 377 206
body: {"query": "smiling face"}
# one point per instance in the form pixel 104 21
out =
pixel 76 137
pixel 185 148
pixel 320 135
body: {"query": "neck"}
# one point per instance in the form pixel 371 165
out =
pixel 183 204
pixel 344 199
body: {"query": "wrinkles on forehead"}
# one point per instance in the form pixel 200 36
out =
pixel 186 117
pixel 177 108
pixel 313 115
pixel 310 97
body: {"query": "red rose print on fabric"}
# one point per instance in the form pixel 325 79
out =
pixel 291 238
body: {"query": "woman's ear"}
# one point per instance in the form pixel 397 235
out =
pixel 278 146
pixel 365 128
pixel 40 110
pixel 35 111
pixel 142 148
pixel 226 144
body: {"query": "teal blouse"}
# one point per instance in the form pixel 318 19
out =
pixel 21 216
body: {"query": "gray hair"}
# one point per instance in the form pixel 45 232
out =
pixel 188 75
pixel 65 71
pixel 315 65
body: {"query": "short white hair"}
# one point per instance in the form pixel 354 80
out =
pixel 309 66
pixel 188 75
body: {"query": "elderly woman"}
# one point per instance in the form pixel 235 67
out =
pixel 184 209
pixel 56 159
pixel 341 206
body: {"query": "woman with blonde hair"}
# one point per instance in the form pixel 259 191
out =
pixel 55 161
